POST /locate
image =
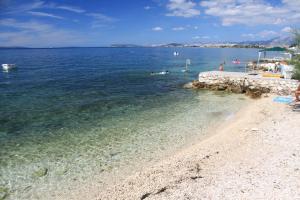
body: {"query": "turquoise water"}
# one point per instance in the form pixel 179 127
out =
pixel 85 113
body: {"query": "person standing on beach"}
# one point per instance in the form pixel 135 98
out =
pixel 221 67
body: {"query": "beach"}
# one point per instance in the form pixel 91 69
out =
pixel 114 131
pixel 254 155
pixel 149 100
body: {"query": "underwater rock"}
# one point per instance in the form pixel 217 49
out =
pixel 62 171
pixel 40 172
pixel 188 85
pixel 3 192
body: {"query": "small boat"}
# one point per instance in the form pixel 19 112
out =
pixel 160 73
pixel 176 53
pixel 7 67
pixel 163 72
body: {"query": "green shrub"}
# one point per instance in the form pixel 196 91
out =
pixel 296 62
pixel 296 59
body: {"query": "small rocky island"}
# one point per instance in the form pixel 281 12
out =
pixel 253 85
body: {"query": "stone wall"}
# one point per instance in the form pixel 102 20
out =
pixel 254 85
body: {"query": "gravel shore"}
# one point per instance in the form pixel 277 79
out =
pixel 254 155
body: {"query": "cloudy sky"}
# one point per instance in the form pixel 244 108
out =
pixel 55 23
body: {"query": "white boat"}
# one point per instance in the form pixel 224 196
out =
pixel 160 73
pixel 7 67
pixel 175 53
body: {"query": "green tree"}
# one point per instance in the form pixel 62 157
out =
pixel 296 62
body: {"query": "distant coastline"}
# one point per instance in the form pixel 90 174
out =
pixel 158 46
pixel 282 42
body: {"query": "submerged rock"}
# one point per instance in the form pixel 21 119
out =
pixel 40 172
pixel 188 85
pixel 3 192
pixel 63 171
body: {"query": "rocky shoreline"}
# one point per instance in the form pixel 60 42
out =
pixel 252 85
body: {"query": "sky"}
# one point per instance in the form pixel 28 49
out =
pixel 58 23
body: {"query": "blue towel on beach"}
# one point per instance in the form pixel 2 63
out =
pixel 283 99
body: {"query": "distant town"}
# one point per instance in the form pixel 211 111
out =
pixel 278 41
pixel 204 45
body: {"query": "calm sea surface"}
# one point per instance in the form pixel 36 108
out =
pixel 84 113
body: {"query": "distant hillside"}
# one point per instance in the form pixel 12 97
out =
pixel 277 41
pixel 282 41
pixel 13 47
pixel 125 45
pixel 173 45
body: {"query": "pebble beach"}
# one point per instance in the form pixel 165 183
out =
pixel 254 156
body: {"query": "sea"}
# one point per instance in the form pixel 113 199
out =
pixel 84 116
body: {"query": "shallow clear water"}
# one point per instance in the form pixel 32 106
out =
pixel 83 113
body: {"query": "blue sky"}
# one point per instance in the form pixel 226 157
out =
pixel 56 23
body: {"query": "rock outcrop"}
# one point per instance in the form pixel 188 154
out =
pixel 252 85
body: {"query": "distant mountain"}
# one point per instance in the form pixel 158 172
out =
pixel 277 41
pixel 125 45
pixel 173 45
pixel 257 42
pixel 13 47
pixel 282 41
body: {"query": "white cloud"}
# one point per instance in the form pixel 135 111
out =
pixel 147 7
pixel 100 20
pixel 286 29
pixel 180 28
pixel 253 12
pixel 265 34
pixel 248 35
pixel 29 25
pixel 293 4
pixel 37 34
pixel 13 8
pixel 205 37
pixel 157 28
pixel 182 8
pixel 44 14
pixel 101 17
pixel 196 27
pixel 71 9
